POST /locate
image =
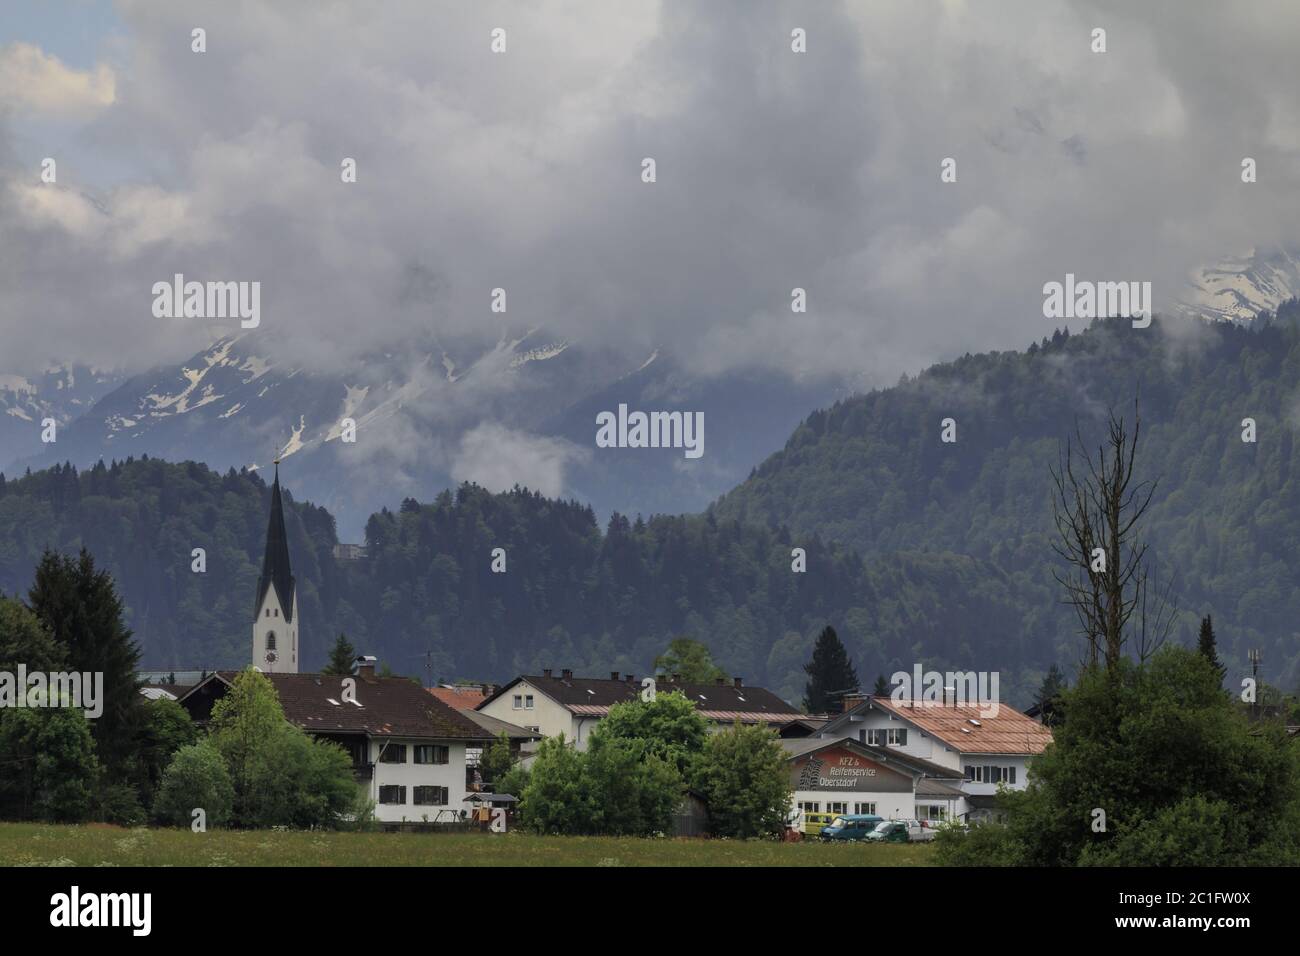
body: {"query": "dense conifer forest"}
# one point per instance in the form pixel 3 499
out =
pixel 918 550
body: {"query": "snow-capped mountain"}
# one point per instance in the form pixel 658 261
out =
pixel 517 408
pixel 1239 288
pixel 62 393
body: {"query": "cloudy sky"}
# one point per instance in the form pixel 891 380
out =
pixel 522 170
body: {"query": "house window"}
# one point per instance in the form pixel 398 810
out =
pixel 431 796
pixel 392 795
pixel 837 808
pixel 864 808
pixel 884 736
pixel 932 811
pixel 986 773
pixel 432 753
pixel 519 702
pixel 270 640
pixel 809 806
pixel 393 753
pixel 528 702
pixel 534 729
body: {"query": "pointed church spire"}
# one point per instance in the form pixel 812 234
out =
pixel 275 562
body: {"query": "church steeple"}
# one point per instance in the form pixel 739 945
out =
pixel 275 625
pixel 275 561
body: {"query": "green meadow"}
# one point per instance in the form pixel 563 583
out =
pixel 34 844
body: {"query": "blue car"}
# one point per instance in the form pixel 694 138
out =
pixel 850 826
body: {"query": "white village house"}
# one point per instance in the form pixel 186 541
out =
pixel 978 747
pixel 831 775
pixel 573 706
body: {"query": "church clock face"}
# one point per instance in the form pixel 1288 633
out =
pixel 270 657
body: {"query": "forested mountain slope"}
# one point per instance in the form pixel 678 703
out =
pixel 918 551
pixel 872 472
pixel 572 595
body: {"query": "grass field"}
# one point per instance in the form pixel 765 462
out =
pixel 31 844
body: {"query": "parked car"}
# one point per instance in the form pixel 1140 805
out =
pixel 921 830
pixel 901 831
pixel 814 823
pixel 851 826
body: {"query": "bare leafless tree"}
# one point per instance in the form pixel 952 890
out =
pixel 1097 505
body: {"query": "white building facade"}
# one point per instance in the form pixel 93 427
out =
pixel 986 747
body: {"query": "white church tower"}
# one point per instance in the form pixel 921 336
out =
pixel 275 621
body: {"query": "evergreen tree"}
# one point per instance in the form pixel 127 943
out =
pixel 882 686
pixel 79 606
pixel 830 673
pixel 342 656
pixel 690 660
pixel 1048 698
pixel 24 640
pixel 1207 644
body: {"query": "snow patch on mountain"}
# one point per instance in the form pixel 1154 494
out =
pixel 256 366
pixel 180 403
pixel 538 354
pixel 295 442
pixel 352 400
pixel 1239 288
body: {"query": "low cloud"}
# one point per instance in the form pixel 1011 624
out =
pixel 498 458
pixel 521 171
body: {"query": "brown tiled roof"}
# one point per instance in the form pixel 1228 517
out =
pixel 593 696
pixel 386 707
pixel 461 698
pixel 968 728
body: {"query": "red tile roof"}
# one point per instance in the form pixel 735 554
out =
pixel 970 729
pixel 461 698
